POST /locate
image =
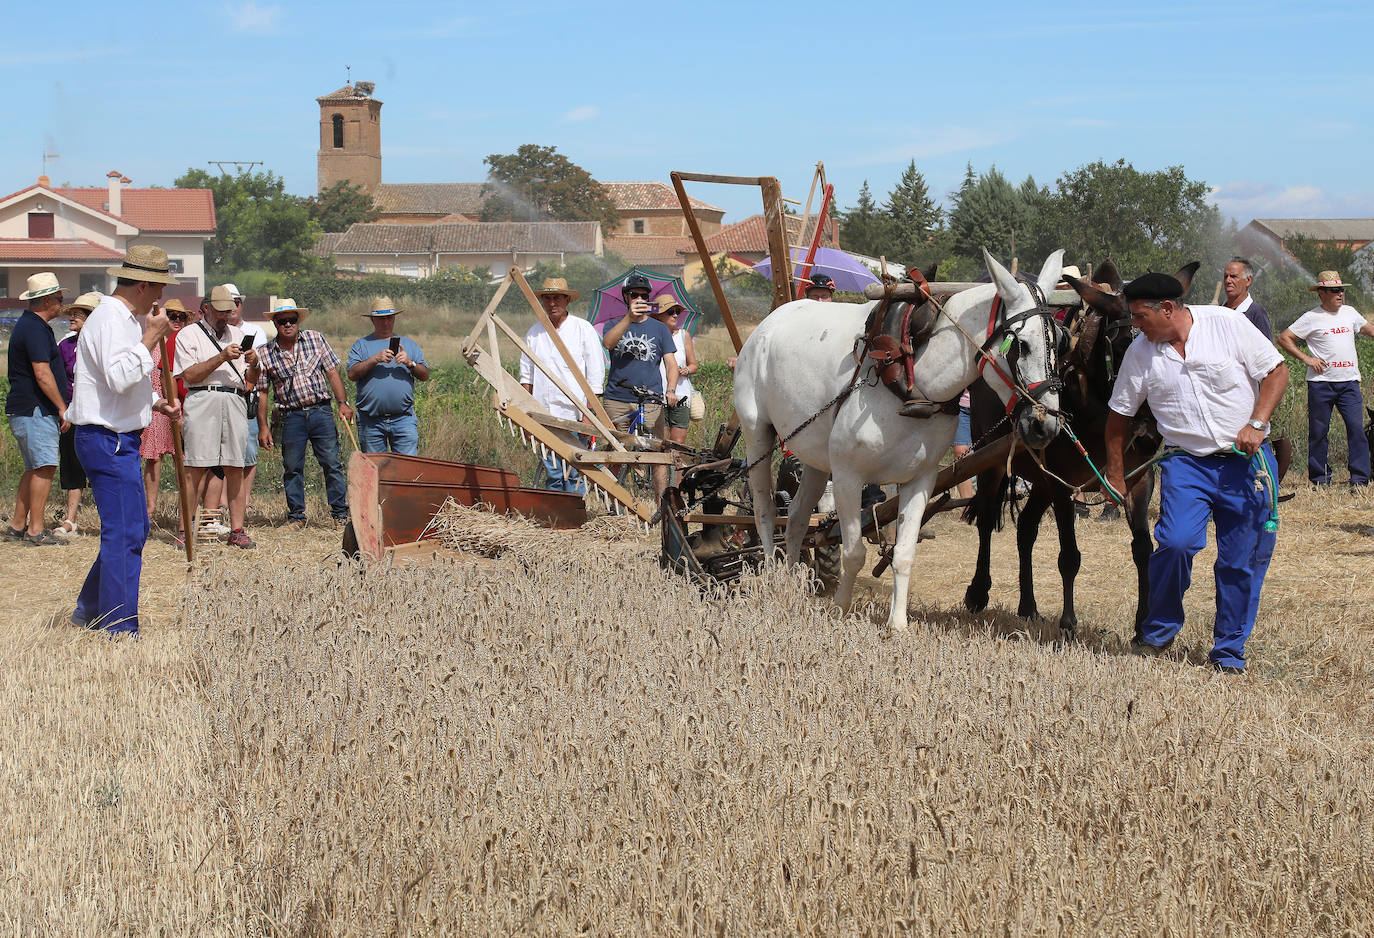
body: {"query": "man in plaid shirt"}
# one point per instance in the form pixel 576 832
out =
pixel 304 372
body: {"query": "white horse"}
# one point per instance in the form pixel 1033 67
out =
pixel 802 356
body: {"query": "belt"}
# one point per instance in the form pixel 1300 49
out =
pixel 322 403
pixel 222 388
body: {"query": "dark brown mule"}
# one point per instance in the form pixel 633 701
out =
pixel 1089 371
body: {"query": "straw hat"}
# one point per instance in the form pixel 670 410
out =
pixel 288 305
pixel 557 286
pixel 382 306
pixel 86 302
pixel 222 298
pixel 144 262
pixel 1327 278
pixel 173 305
pixel 41 285
pixel 666 302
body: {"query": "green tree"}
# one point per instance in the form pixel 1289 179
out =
pixel 914 218
pixel 864 228
pixel 538 183
pixel 988 212
pixel 259 225
pixel 1141 220
pixel 341 205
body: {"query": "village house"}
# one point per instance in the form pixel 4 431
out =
pixel 79 232
pixel 651 230
pixel 1267 237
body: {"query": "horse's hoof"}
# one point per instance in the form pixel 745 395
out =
pixel 975 601
pixel 1029 613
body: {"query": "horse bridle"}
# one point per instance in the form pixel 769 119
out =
pixel 1023 394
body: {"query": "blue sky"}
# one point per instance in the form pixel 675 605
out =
pixel 1269 103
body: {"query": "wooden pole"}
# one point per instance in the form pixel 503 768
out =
pixel 775 225
pixel 169 391
pixel 710 269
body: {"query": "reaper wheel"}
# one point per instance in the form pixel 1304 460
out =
pixel 827 562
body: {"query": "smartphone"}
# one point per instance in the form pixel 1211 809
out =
pixel 395 344
pixel 247 342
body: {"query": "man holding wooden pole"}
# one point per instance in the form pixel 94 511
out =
pixel 112 402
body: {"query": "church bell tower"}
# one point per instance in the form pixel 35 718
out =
pixel 350 137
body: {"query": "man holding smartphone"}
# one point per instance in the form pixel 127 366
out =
pixel 385 367
pixel 638 344
pixel 216 427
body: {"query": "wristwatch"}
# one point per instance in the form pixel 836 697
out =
pixel 1257 424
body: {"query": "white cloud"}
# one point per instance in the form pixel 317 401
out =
pixel 935 141
pixel 248 17
pixel 584 113
pixel 1244 199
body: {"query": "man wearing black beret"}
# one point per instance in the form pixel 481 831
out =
pixel 1212 382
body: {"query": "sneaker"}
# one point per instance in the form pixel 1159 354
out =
pixel 179 541
pixel 240 538
pixel 44 539
pixel 340 523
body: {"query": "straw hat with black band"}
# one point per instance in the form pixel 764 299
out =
pixel 146 263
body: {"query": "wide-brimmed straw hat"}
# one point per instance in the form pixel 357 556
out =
pixel 86 302
pixel 144 262
pixel 382 306
pixel 175 305
pixel 285 306
pixel 1327 279
pixel 40 285
pixel 666 303
pixel 557 286
pixel 222 298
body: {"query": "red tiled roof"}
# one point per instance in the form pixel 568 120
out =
pixel 149 210
pixel 650 249
pixel 14 250
pixel 651 196
pixel 429 198
pixel 551 237
pixel 324 247
pixel 751 237
pixel 346 93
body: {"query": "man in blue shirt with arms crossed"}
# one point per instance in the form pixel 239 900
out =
pixel 385 367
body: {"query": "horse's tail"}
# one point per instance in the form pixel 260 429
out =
pixel 1001 496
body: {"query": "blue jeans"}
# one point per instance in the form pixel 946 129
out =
pixel 109 596
pixel 314 425
pixel 1192 488
pixel 1346 397
pixel 251 453
pixel 398 433
pixel 562 476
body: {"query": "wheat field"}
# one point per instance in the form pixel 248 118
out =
pixel 546 734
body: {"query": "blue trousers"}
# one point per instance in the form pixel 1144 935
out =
pixel 1190 489
pixel 398 433
pixel 313 425
pixel 1346 397
pixel 109 597
pixel 561 476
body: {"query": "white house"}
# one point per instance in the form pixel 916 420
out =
pixel 78 232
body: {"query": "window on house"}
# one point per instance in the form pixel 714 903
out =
pixel 338 131
pixel 639 226
pixel 362 268
pixel 40 225
pixel 410 269
pixel 176 265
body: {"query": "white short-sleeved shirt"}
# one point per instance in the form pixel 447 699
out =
pixel 1331 337
pixel 194 347
pixel 584 343
pixel 1202 401
pixel 112 388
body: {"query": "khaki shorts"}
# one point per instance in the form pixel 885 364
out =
pixel 215 429
pixel 620 412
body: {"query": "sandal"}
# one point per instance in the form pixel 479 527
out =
pixel 66 529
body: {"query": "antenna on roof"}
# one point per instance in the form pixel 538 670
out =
pixel 49 154
pixel 237 164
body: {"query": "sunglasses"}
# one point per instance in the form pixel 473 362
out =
pixel 638 296
pixel 177 317
pixel 1332 289
pixel 287 320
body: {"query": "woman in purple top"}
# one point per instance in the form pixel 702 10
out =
pixel 71 475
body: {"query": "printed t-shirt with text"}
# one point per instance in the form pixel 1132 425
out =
pixel 1331 337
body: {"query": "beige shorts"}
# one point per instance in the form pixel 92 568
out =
pixel 215 429
pixel 620 412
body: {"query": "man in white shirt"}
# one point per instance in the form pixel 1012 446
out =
pixel 1212 382
pixel 112 402
pixel 217 408
pixel 1333 376
pixel 585 347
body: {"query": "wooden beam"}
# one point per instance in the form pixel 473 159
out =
pixel 780 521
pixel 486 313
pixel 724 180
pixel 707 265
pixel 638 458
pixel 774 220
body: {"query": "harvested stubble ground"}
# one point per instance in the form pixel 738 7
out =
pixel 566 739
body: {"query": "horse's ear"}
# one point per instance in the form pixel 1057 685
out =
pixel 1003 280
pixel 930 272
pixel 1185 275
pixel 1107 273
pixel 1111 304
pixel 1050 271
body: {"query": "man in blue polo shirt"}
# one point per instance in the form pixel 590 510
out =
pixel 37 397
pixel 386 384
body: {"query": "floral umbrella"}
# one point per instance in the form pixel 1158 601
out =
pixel 608 305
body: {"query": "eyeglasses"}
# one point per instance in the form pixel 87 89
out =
pixel 287 320
pixel 1332 289
pixel 238 301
